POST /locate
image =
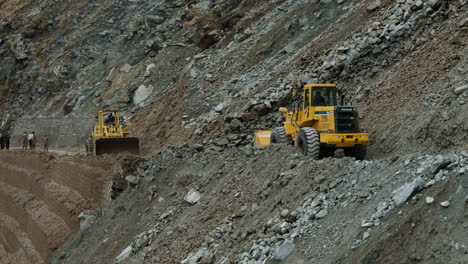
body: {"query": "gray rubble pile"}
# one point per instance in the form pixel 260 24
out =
pixel 425 171
pixel 275 238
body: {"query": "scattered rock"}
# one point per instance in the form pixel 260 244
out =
pixel 374 5
pixel 403 193
pixel 445 204
pixel 149 69
pixel 219 108
pixel 124 255
pixel 201 256
pixel 155 19
pixel 132 180
pixel 284 250
pixel 88 218
pixel 126 68
pixel 429 200
pixel 192 197
pixel 461 89
pixel 321 214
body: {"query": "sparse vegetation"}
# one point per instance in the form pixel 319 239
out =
pixel 37 52
pixel 33 77
pixel 39 22
pixel 4 88
pixel 63 22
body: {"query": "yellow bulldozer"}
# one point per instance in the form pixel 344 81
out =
pixel 317 125
pixel 110 135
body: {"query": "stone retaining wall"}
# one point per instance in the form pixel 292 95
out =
pixel 62 132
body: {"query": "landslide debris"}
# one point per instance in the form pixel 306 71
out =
pixel 277 205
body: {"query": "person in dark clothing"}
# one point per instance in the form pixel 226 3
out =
pixel 2 141
pixel 7 141
pixel 110 119
pixel 32 140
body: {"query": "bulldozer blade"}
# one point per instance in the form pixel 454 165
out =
pixel 117 145
pixel 262 138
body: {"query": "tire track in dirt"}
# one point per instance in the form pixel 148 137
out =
pixel 40 188
pixel 41 195
pixel 16 244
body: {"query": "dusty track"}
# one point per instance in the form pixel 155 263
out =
pixel 42 195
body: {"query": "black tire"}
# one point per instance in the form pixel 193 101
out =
pixel 278 136
pixel 360 151
pixel 309 142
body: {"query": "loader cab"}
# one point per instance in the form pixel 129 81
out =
pixel 319 95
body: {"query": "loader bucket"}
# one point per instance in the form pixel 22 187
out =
pixel 117 145
pixel 262 138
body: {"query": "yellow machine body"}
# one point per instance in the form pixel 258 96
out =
pixel 110 135
pixel 315 111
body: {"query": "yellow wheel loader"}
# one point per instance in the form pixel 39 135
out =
pixel 110 135
pixel 317 125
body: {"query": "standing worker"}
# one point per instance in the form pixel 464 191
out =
pixel 45 143
pixel 7 140
pixel 2 141
pixel 32 140
pixel 24 140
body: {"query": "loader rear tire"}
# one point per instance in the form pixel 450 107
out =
pixel 278 136
pixel 360 151
pixel 309 142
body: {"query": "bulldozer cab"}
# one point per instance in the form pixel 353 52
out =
pixel 109 117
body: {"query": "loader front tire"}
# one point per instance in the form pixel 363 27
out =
pixel 278 136
pixel 309 142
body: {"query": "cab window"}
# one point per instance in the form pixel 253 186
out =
pixel 323 96
pixel 306 103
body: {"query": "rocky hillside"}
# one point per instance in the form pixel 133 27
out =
pixel 201 70
pixel 203 75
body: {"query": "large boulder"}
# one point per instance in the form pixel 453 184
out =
pixel 142 94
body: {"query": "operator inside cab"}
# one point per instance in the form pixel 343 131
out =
pixel 322 96
pixel 110 119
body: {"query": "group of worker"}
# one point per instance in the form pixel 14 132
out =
pixel 31 140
